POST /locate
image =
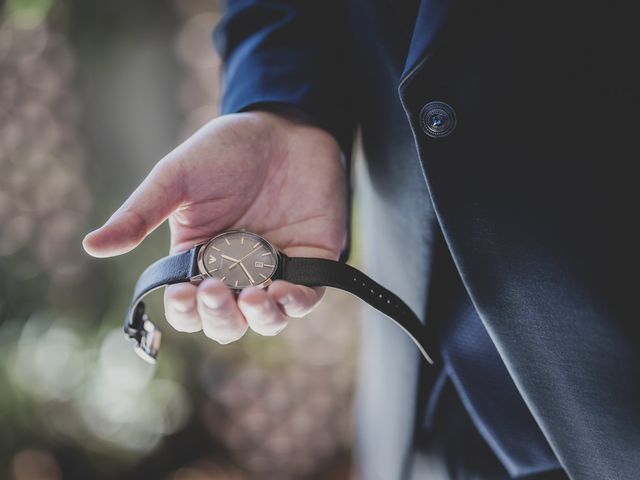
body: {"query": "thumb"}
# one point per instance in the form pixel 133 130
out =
pixel 147 207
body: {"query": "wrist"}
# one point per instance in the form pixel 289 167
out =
pixel 293 114
pixel 287 111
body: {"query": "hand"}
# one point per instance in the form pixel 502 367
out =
pixel 270 173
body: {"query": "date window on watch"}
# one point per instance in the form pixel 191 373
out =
pixel 259 264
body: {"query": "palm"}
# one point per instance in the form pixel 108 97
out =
pixel 287 185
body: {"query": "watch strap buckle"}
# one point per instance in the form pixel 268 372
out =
pixel 146 335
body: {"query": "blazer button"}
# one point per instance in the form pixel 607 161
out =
pixel 437 119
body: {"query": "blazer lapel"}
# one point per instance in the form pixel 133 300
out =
pixel 432 15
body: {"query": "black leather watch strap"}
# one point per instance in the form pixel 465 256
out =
pixel 166 271
pixel 317 272
pixel 313 272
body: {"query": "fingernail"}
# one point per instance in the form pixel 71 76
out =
pixel 182 307
pixel 264 306
pixel 261 307
pixel 286 300
pixel 213 301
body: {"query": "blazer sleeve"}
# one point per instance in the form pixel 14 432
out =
pixel 295 52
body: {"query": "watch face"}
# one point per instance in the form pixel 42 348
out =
pixel 240 259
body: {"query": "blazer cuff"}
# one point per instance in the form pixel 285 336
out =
pixel 247 93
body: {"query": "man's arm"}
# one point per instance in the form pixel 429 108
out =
pixel 289 52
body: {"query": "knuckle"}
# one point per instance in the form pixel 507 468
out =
pixel 264 319
pixel 220 319
pixel 263 312
pixel 217 303
pixel 136 221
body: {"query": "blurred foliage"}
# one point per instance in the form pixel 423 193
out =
pixel 27 13
pixel 92 94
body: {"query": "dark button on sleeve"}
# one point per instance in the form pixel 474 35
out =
pixel 437 119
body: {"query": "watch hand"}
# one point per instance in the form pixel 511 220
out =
pixel 238 261
pixel 230 258
pixel 247 272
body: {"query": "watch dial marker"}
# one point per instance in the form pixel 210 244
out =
pixel 256 245
pixel 215 248
pixel 265 254
pixel 236 283
pixel 263 276
pixel 270 266
pixel 242 240
pixel 227 240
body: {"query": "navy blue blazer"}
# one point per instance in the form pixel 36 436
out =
pixel 534 191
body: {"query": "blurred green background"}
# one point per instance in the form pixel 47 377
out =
pixel 92 94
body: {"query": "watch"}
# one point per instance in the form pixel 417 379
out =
pixel 241 259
